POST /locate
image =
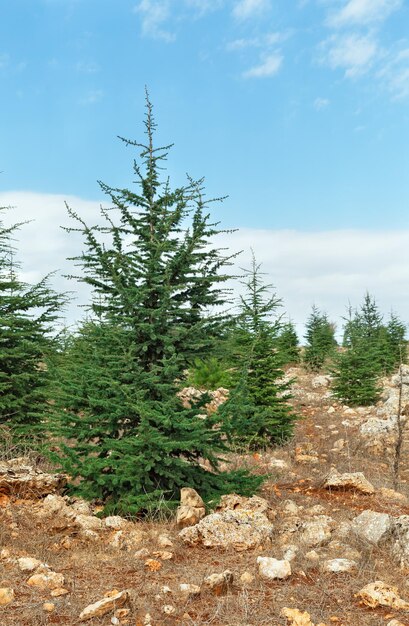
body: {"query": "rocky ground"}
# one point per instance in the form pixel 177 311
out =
pixel 326 541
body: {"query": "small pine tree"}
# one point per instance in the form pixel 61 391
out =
pixel 27 314
pixel 395 332
pixel 321 342
pixel 287 344
pixel 355 379
pixel 385 342
pixel 372 350
pixel 257 413
pixel 157 285
pixel 209 374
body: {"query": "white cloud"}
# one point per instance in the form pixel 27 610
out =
pixel 261 41
pixel 321 103
pixel 328 268
pixel 245 9
pixel 154 14
pixel 361 12
pixel 351 52
pixel 204 6
pixel 43 246
pixel 394 74
pixel 270 65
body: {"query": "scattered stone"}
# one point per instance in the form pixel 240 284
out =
pixel 317 509
pixel 296 617
pixel 104 606
pixel 6 595
pixel 48 607
pixel 401 545
pixel 89 522
pixel 59 591
pixel 381 594
pixel 354 481
pixel 80 506
pixel 320 381
pixel 316 532
pixel 312 556
pixel 372 526
pixel 378 435
pixel 338 549
pixel 391 494
pixel 27 564
pixel 141 554
pixel 190 396
pixel 165 542
pixel 246 578
pixel 46 580
pixel 338 566
pixel 290 552
pixel 349 411
pixel 191 509
pixel 189 590
pixel 272 569
pixel 232 502
pixel 339 445
pixel 289 507
pixel 306 454
pixel 168 609
pixel 153 565
pixel 122 613
pixel 278 464
pixel 240 529
pixel 116 522
pixel 26 481
pixel 54 505
pixel 219 583
pixel 395 622
pixel 163 554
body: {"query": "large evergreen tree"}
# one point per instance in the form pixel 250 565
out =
pixel 258 413
pixel 27 314
pixel 157 281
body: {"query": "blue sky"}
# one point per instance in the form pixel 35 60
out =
pixel 298 110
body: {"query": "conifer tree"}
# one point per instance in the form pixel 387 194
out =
pixel 157 281
pixel 355 379
pixel 287 344
pixel 258 413
pixel 27 314
pixel 396 331
pixel 373 349
pixel 385 342
pixel 320 336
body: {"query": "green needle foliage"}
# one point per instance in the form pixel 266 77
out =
pixel 320 337
pixel 27 314
pixel 372 349
pixel 287 344
pixel 157 282
pixel 397 344
pixel 258 413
